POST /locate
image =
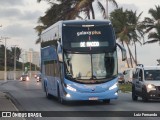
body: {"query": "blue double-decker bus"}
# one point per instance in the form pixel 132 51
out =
pixel 79 61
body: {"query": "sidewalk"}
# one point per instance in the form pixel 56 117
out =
pixel 7 105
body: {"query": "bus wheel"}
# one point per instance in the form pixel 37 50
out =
pixel 106 101
pixel 47 94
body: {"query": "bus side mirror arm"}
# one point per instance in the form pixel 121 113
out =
pixel 123 50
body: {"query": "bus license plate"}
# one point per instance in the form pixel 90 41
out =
pixel 93 98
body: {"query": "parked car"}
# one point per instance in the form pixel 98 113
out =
pixel 24 78
pixel 38 77
pixel 121 78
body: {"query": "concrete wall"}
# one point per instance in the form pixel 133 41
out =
pixel 10 74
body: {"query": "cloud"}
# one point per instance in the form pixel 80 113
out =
pixel 8 13
pixel 30 15
pixel 129 7
pixel 11 2
pixel 18 30
pixel 18 14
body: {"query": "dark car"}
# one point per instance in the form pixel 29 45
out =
pixel 121 78
pixel 38 77
pixel 24 78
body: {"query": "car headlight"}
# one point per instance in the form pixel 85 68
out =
pixel 150 86
pixel 71 88
pixel 113 86
pixel 27 78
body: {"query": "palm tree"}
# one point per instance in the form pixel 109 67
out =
pixel 86 6
pixel 67 10
pixel 128 29
pixel 153 23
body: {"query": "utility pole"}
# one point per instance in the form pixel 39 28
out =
pixel 15 59
pixel 107 16
pixel 5 58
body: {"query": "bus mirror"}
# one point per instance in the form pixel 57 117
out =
pixel 59 51
pixel 60 57
pixel 123 50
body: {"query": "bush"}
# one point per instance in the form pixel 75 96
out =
pixel 125 87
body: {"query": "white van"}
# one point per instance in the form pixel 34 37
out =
pixel 146 83
pixel 128 75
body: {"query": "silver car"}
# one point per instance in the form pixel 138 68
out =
pixel 146 83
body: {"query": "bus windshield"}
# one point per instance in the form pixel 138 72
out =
pixel 90 68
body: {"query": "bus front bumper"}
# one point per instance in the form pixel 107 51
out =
pixel 79 96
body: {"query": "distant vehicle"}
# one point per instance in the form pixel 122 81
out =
pixel 146 83
pixel 79 61
pixel 121 78
pixel 24 78
pixel 35 75
pixel 38 77
pixel 128 75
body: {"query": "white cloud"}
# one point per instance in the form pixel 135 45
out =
pixel 7 3
pixel 18 19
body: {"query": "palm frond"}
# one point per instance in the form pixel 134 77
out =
pixel 151 41
pixel 102 9
pixel 114 2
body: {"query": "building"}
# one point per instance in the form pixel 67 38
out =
pixel 31 56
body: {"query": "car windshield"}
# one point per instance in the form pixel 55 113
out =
pixel 85 68
pixel 152 75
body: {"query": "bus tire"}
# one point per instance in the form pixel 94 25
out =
pixel 107 101
pixel 49 96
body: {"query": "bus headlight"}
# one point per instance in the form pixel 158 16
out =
pixel 71 88
pixel 68 95
pixel 113 86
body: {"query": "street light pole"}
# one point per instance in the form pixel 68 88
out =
pixel 5 63
pixel 15 62
pixel 5 58
pixel 107 17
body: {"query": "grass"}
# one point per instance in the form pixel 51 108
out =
pixel 125 87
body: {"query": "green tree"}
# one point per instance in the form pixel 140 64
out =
pixel 153 25
pixel 68 10
pixel 128 29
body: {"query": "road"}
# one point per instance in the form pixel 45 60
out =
pixel 29 96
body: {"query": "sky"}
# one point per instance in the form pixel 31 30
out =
pixel 19 18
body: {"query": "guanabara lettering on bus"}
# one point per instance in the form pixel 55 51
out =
pixel 79 61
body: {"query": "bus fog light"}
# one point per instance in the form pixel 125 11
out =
pixel 71 88
pixel 116 93
pixel 113 86
pixel 68 95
